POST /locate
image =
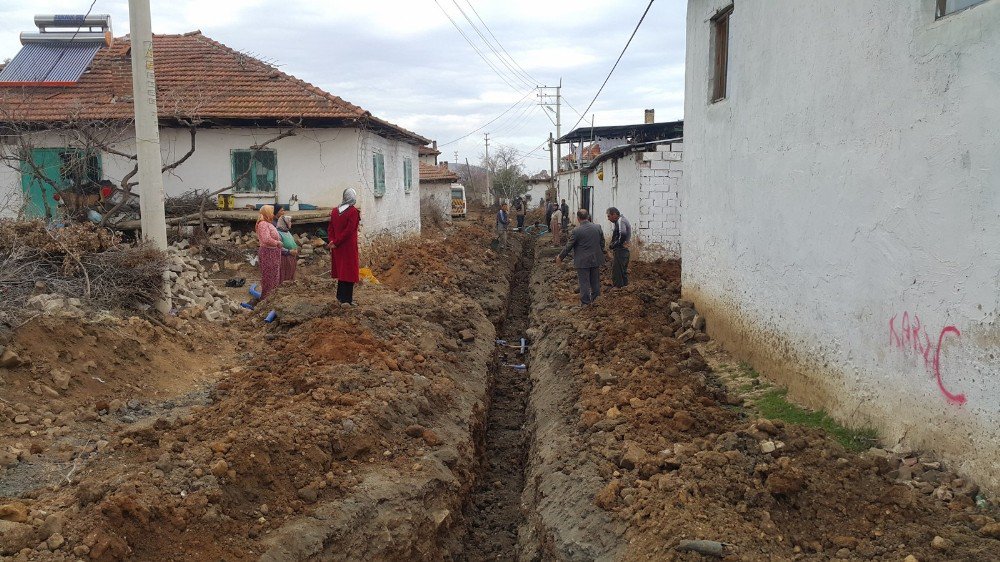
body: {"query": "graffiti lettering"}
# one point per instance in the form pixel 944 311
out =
pixel 911 336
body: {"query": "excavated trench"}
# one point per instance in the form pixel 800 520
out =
pixel 493 511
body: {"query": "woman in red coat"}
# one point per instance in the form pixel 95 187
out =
pixel 345 263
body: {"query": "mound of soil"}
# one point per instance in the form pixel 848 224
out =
pixel 657 443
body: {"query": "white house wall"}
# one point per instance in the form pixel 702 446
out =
pixel 841 211
pixel 314 164
pixel 435 199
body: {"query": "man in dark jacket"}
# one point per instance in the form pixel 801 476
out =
pixel 620 239
pixel 565 215
pixel 520 209
pixel 503 220
pixel 587 244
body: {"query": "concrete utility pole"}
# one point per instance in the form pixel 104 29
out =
pixel 559 121
pixel 552 169
pixel 545 103
pixel 456 158
pixel 489 187
pixel 147 135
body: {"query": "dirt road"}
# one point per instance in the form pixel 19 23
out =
pixel 397 430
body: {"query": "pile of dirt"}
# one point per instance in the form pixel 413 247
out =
pixel 322 430
pixel 656 442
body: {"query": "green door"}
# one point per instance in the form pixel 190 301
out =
pixel 38 194
pixel 67 168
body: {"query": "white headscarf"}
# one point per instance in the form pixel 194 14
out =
pixel 350 198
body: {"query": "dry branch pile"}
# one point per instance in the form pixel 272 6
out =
pixel 78 261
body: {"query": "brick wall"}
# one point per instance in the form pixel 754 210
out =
pixel 659 224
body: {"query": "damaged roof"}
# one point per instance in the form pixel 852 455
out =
pixel 196 78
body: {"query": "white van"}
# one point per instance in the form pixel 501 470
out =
pixel 459 205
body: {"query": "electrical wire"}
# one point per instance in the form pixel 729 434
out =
pixel 488 123
pixel 519 69
pixel 629 42
pixel 515 122
pixel 476 49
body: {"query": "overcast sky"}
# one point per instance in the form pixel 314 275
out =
pixel 404 61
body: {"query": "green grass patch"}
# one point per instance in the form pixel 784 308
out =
pixel 749 371
pixel 774 405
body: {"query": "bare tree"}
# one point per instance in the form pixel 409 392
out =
pixel 507 179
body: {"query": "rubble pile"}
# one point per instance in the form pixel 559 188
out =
pixel 191 285
pixel 309 245
pixel 686 323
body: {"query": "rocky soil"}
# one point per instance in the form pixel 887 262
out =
pixel 638 446
pixel 393 431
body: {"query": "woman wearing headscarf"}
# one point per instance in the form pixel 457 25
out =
pixel 290 249
pixel 269 251
pixel 345 263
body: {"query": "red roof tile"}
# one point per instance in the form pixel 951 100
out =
pixel 429 173
pixel 428 151
pixel 196 77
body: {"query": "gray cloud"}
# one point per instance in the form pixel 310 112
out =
pixel 404 62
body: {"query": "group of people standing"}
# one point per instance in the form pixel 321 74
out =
pixel 278 252
pixel 586 243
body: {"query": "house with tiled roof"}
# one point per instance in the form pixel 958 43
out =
pixel 235 103
pixel 429 154
pixel 437 187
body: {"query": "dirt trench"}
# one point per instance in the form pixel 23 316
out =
pixel 493 512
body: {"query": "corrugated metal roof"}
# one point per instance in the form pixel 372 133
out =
pixel 40 64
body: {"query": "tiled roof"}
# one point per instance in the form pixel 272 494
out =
pixel 429 173
pixel 196 77
pixel 428 151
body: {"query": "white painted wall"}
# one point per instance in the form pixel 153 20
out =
pixel 537 193
pixel 435 199
pixel 315 164
pixel 848 185
pixel 645 187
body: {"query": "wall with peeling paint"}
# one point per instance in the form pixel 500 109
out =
pixel 842 211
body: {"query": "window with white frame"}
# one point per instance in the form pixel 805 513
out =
pixel 255 171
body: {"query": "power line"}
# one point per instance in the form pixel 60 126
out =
pixel 516 122
pixel 599 90
pixel 476 49
pixel 499 44
pixel 488 123
pixel 502 60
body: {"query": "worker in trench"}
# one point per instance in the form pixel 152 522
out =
pixel 503 221
pixel 345 260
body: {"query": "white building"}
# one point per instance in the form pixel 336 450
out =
pixel 841 217
pixel 237 102
pixel 436 185
pixel 641 177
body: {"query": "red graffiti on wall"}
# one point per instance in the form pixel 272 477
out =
pixel 912 336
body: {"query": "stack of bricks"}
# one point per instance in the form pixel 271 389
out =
pixel 659 201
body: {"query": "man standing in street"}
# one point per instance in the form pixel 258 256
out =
pixel 565 215
pixel 620 239
pixel 549 208
pixel 503 220
pixel 587 244
pixel 520 209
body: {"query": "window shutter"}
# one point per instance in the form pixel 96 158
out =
pixel 241 161
pixel 378 161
